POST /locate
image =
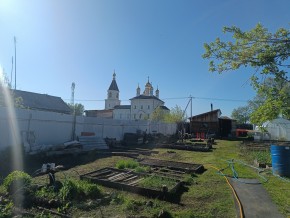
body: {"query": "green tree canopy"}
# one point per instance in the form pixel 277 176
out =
pixel 268 53
pixel 79 108
pixel 242 114
pixel 158 114
pixel 176 115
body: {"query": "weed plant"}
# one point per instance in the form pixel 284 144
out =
pixel 78 190
pixel 129 164
pixel 156 182
pixel 262 156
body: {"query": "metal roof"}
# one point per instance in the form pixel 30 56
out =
pixel 43 102
pixel 122 107
pixel 164 108
pixel 114 86
pixel 210 112
pixel 146 97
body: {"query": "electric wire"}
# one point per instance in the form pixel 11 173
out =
pixel 170 98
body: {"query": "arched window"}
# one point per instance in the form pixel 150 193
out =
pixel 110 94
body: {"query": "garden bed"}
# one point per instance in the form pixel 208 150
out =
pixel 140 183
pixel 174 165
pixel 191 147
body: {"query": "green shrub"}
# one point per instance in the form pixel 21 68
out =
pixel 16 180
pixel 140 169
pixel 262 156
pixel 46 192
pixel 133 205
pixel 117 198
pixel 130 164
pixel 156 182
pixel 79 189
pixel 6 207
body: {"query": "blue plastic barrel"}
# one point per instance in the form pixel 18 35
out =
pixel 281 160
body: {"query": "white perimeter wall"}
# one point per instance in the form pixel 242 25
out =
pixel 50 128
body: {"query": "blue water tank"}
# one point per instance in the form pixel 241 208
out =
pixel 281 160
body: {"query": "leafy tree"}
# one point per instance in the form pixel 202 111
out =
pixel 242 114
pixel 78 108
pixel 158 114
pixel 176 115
pixel 268 53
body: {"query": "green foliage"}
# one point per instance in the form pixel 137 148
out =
pixel 142 169
pixel 185 214
pixel 47 193
pixel 262 156
pixel 189 179
pixel 156 182
pixel 78 108
pixel 16 179
pixel 241 114
pixel 268 53
pixel 158 114
pixel 117 198
pixel 176 115
pixel 6 207
pixel 130 164
pixel 133 205
pixel 78 189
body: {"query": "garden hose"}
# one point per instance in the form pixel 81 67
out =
pixel 233 190
pixel 236 175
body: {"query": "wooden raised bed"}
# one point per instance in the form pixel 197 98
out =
pixel 192 147
pixel 129 181
pixel 174 165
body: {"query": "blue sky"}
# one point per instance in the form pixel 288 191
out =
pixel 60 42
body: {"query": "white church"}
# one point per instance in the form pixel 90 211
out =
pixel 142 105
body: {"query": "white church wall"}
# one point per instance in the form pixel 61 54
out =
pixel 48 128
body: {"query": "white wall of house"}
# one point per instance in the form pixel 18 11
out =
pixel 122 114
pixel 142 108
pixel 48 128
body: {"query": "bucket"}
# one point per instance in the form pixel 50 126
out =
pixel 281 160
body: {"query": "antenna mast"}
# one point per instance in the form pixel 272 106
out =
pixel 15 60
pixel 72 100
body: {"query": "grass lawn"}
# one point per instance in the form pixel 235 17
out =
pixel 208 194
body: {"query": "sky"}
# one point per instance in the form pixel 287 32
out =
pixel 61 42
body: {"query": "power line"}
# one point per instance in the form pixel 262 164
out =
pixel 174 98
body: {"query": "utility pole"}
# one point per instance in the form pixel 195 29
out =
pixel 190 114
pixel 73 85
pixel 15 60
pixel 11 74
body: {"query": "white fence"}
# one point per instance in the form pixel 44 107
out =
pixel 48 128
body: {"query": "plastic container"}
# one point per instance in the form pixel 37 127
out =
pixel 281 160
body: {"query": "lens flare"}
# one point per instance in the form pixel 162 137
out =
pixel 15 142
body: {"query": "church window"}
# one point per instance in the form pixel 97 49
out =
pixel 117 95
pixel 148 107
pixel 141 106
pixel 135 106
pixel 140 116
pixel 110 94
